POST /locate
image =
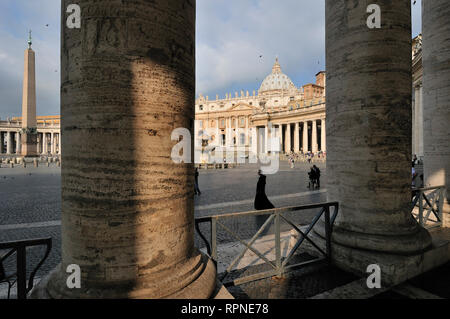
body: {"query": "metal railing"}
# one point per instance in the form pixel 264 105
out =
pixel 280 264
pixel 20 247
pixel 427 205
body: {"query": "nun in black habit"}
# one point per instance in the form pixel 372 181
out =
pixel 261 200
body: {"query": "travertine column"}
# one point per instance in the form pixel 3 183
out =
pixel 9 143
pixel 287 145
pixel 305 137
pixel 2 142
pixel 296 138
pixel 128 81
pixel 44 144
pixel 323 135
pixel 266 139
pixel 314 137
pixel 17 143
pixel 217 133
pixel 254 141
pixel 369 131
pixel 417 120
pixel 436 97
pixel 280 136
pixel 53 141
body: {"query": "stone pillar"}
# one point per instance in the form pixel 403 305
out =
pixel 314 145
pixel 369 135
pixel 436 98
pixel 2 142
pixel 287 146
pixel 305 137
pixel 323 135
pixel 417 120
pixel 127 208
pixel 266 139
pixel 18 143
pixel 9 143
pixel 53 144
pixel 296 138
pixel 280 136
pixel 44 144
pixel 217 133
pixel 255 141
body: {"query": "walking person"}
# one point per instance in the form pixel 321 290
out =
pixel 196 188
pixel 317 175
pixel 261 200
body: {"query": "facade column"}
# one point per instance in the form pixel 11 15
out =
pixel 254 145
pixel 287 144
pixel 131 231
pixel 266 139
pixel 53 144
pixel 323 136
pixel 305 137
pixel 296 138
pixel 44 144
pixel 2 142
pixel 374 222
pixel 9 148
pixel 218 137
pixel 18 143
pixel 314 145
pixel 280 136
pixel 436 97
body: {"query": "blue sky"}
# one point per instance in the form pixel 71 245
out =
pixel 231 37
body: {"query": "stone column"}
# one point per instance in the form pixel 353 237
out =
pixel 323 135
pixel 369 135
pixel 417 120
pixel 2 142
pixel 296 138
pixel 314 145
pixel 266 139
pixel 53 143
pixel 420 123
pixel 287 146
pixel 217 133
pixel 280 136
pixel 9 148
pixel 305 137
pixel 255 141
pixel 18 143
pixel 44 144
pixel 436 98
pixel 128 81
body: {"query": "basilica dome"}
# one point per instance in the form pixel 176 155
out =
pixel 277 80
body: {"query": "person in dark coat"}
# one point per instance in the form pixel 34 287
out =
pixel 317 175
pixel 196 188
pixel 261 200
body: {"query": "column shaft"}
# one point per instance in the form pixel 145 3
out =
pixel 305 137
pixel 314 137
pixel 296 138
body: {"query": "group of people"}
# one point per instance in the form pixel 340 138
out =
pixel 307 157
pixel 314 177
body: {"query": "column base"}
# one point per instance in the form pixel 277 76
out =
pixel 202 285
pixel 395 268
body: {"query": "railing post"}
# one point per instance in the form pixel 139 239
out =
pixel 328 233
pixel 441 204
pixel 214 240
pixel 21 273
pixel 421 208
pixel 278 243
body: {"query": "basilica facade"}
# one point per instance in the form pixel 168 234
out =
pixel 280 117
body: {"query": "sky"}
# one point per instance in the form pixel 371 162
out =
pixel 232 35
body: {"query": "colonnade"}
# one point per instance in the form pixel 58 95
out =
pixel 48 143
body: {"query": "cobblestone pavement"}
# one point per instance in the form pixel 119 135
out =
pixel 32 195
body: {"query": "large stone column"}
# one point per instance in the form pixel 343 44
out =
pixel 128 81
pixel 369 134
pixel 314 145
pixel 323 135
pixel 287 145
pixel 436 93
pixel 9 144
pixel 18 145
pixel 305 137
pixel 296 138
pixel 266 139
pixel 417 120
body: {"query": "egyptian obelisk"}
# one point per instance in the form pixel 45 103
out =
pixel 29 125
